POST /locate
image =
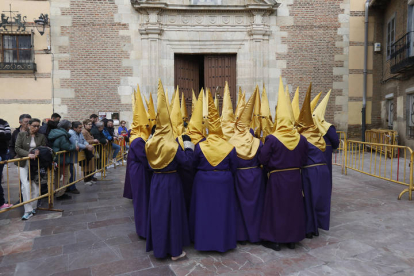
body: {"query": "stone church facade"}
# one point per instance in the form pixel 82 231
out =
pixel 103 48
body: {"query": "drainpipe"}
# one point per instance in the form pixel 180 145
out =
pixel 364 94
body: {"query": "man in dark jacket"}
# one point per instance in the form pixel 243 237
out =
pixel 97 133
pixel 24 126
pixel 5 137
pixel 60 141
pixel 51 124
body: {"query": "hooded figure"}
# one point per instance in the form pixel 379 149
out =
pixel 212 215
pixel 167 231
pixel 227 115
pixel 327 130
pixel 138 175
pixel 316 179
pixel 256 114
pixel 184 111
pixel 283 154
pixel 315 101
pixel 265 117
pixel 176 115
pixel 295 105
pixel 195 132
pixel 249 178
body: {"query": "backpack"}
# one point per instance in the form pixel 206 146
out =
pixel 46 156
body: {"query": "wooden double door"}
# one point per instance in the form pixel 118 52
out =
pixel 192 72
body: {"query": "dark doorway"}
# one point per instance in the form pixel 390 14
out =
pixel 197 71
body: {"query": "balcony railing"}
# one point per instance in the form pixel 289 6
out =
pixel 402 56
pixel 17 67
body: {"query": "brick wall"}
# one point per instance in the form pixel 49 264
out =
pixel 312 48
pixel 95 58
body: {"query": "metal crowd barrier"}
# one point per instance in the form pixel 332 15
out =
pixel 382 136
pixel 387 162
pixel 338 156
pixel 56 180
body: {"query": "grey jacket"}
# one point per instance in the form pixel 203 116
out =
pixel 77 139
pixel 23 145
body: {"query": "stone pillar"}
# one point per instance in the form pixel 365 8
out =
pixel 151 32
pixel 259 38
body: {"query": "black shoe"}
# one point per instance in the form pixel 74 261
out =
pixel 272 245
pixel 94 179
pixel 75 191
pixel 141 237
pixel 316 234
pixel 64 197
pixel 243 242
pixel 309 236
pixel 291 245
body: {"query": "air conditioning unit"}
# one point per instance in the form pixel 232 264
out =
pixel 377 47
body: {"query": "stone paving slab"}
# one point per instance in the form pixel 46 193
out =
pixel 372 233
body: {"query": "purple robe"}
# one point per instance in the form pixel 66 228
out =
pixel 167 232
pixel 187 174
pixel 213 206
pixel 139 177
pixel 332 143
pixel 127 184
pixel 283 219
pixel 250 192
pixel 317 190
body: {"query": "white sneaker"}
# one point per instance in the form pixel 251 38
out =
pixel 89 183
pixel 26 216
pixel 98 174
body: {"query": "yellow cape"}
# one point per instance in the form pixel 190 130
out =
pixel 162 147
pixel 246 145
pixel 215 148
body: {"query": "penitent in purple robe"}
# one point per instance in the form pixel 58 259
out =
pixel 213 204
pixel 317 188
pixel 332 143
pixel 283 219
pixel 167 232
pixel 127 184
pixel 139 177
pixel 250 192
pixel 187 174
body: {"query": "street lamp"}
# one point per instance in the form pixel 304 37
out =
pixel 41 23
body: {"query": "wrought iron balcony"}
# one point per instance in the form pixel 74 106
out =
pixel 402 54
pixel 17 67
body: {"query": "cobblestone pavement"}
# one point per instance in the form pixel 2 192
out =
pixel 372 233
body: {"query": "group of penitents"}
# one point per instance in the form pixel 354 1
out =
pixel 240 177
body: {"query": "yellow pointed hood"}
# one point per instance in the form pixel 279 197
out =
pixel 151 111
pixel 285 131
pixel 289 108
pixel 246 145
pixel 295 105
pixel 315 101
pixel 227 115
pixel 216 103
pixel 305 124
pixel 255 124
pixel 193 102
pixel 265 117
pixel 239 96
pixel 184 111
pixel 195 126
pixel 162 147
pixel 240 107
pixel 319 115
pixel 215 148
pixel 176 116
pixel 172 99
pixel 168 101
pixel 141 126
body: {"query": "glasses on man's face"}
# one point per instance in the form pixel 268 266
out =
pixel 35 126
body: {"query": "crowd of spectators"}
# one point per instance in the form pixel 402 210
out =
pixel 60 135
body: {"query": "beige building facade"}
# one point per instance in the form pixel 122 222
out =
pixel 96 52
